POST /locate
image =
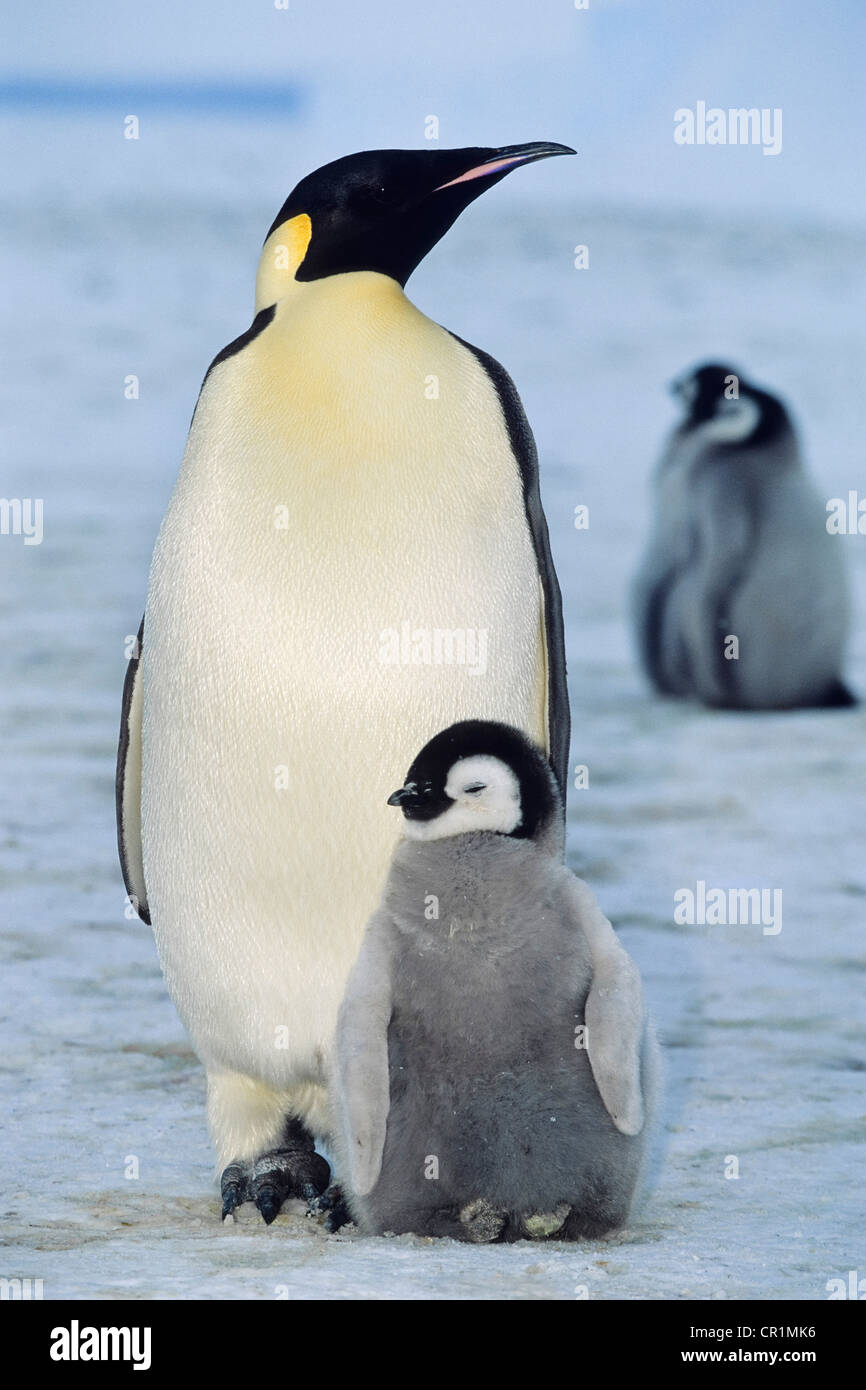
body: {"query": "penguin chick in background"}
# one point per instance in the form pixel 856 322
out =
pixel 741 599
pixel 495 1070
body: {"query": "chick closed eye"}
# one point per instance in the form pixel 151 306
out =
pixel 475 788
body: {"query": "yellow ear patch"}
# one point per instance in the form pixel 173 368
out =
pixel 281 256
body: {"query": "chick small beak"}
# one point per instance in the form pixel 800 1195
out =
pixel 404 795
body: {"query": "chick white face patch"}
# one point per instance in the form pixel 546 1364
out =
pixel 733 420
pixel 486 796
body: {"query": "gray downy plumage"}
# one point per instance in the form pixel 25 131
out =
pixel 739 548
pixel 470 1102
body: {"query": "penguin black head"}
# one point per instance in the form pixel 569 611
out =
pixel 383 210
pixel 477 775
pixel 727 408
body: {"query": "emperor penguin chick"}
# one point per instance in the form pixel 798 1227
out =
pixel 496 1075
pixel 741 600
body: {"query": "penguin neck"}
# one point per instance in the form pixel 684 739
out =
pixel 281 257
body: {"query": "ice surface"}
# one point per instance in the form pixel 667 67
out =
pixel 113 272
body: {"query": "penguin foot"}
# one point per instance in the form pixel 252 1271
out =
pixel 333 1204
pixel 292 1170
pixel 283 1173
pixel 481 1222
pixel 543 1225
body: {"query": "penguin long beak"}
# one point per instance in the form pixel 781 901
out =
pixel 506 158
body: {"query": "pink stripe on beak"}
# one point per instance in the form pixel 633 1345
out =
pixel 491 167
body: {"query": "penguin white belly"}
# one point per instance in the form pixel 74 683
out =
pixel 344 569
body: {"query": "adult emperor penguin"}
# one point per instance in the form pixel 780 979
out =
pixel 496 1075
pixel 741 599
pixel 354 555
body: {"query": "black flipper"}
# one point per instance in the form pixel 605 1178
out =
pixel 258 325
pixel 723 553
pixel 128 786
pixel 526 454
pixel 650 612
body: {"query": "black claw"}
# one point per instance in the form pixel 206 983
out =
pixel 233 1188
pixel 328 1199
pixel 231 1200
pixel 268 1201
pixel 332 1204
pixel 338 1217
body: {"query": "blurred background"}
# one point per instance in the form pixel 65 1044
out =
pixel 136 258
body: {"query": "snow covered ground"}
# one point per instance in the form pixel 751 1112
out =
pixel 114 273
